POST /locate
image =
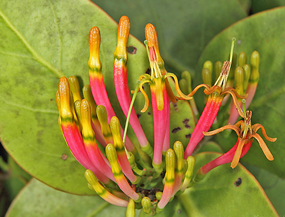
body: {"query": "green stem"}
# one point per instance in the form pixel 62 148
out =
pixel 130 111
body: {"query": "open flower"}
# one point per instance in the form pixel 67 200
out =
pixel 216 95
pixel 246 133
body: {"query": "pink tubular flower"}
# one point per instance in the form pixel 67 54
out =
pixel 121 80
pixel 217 93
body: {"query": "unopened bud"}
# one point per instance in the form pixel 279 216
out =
pixel 186 75
pixel 208 65
pixel 75 88
pixel 147 206
pixel 183 86
pixel 239 80
pixel 207 76
pixel 242 59
pixel 88 95
pixel 102 117
pixel 131 211
pixel 247 71
pixel 254 61
pixel 218 69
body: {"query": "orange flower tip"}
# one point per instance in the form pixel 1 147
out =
pixel 63 81
pixel 63 88
pixel 85 106
pixel 124 28
pixel 234 164
pixel 151 36
pixel 94 38
pixel 57 97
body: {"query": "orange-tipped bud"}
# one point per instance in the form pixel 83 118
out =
pixel 123 30
pixel 94 46
pixel 151 36
pixel 64 94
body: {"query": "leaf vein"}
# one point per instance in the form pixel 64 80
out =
pixel 29 108
pixel 16 55
pixel 59 36
pixel 30 48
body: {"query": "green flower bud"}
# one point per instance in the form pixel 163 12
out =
pixel 239 80
pixel 247 71
pixel 218 69
pixel 207 76
pixel 242 59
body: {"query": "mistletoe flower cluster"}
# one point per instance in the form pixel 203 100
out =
pixel 144 176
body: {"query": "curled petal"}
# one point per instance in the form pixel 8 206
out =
pixel 238 151
pixel 235 92
pixel 195 90
pixel 232 127
pixel 183 96
pixel 239 123
pixel 211 90
pixel 256 127
pixel 235 101
pixel 144 76
pixel 263 146
pixel 146 104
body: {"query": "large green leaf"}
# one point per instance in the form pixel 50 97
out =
pixel 273 185
pixel 258 5
pixel 184 27
pixel 226 192
pixel 259 32
pixel 17 178
pixel 37 199
pixel 40 42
